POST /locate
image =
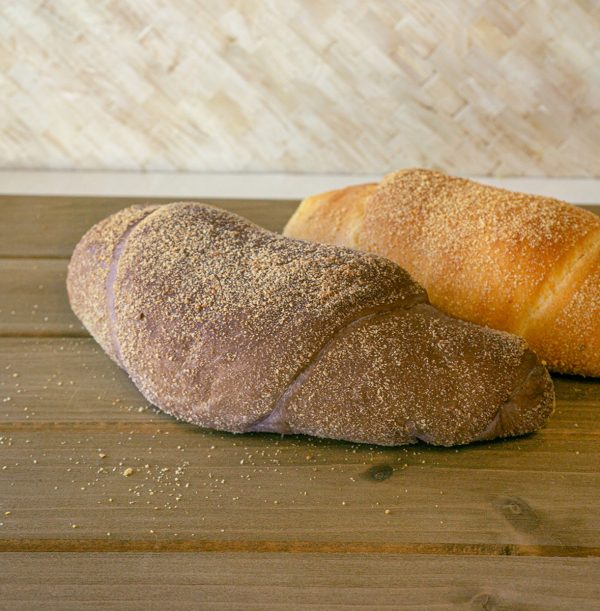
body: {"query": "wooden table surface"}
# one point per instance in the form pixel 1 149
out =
pixel 215 520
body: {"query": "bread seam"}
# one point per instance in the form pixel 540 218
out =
pixel 276 421
pixel 553 284
pixel 111 278
pixel 276 417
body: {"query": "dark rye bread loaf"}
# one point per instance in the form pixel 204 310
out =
pixel 228 326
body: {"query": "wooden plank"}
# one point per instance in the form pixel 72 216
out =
pixel 63 380
pixel 222 491
pixel 595 208
pixel 72 380
pixel 51 226
pixel 542 490
pixel 33 299
pixel 64 404
pixel 295 581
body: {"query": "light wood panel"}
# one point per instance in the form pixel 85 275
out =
pixel 483 87
pixel 296 581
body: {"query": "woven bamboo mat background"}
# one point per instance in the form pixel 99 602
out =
pixel 478 87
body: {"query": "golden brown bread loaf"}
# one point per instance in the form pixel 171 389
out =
pixel 525 264
pixel 226 325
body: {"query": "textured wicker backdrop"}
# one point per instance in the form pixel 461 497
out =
pixel 475 87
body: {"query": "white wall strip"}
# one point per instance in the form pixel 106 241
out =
pixel 250 186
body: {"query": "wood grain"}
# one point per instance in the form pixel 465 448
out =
pixel 33 299
pixel 60 374
pixel 226 521
pixel 298 581
pixel 522 492
pixel 51 226
pixel 191 485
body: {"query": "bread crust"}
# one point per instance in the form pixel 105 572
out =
pixel 520 263
pixel 229 326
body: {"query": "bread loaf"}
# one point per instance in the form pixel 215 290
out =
pixel 524 264
pixel 228 326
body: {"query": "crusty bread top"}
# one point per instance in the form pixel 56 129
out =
pixel 521 263
pixel 416 374
pixel 495 250
pixel 235 301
